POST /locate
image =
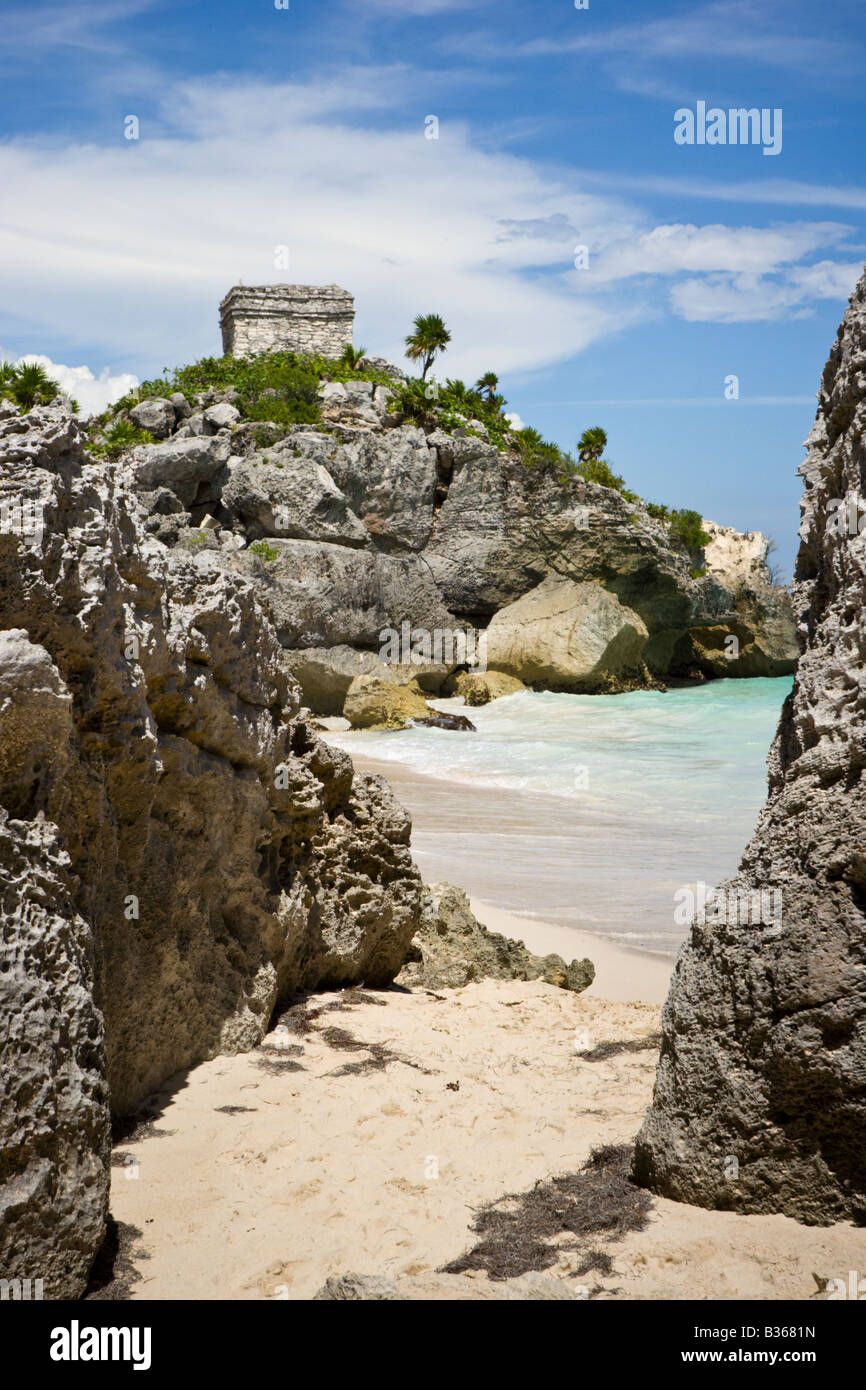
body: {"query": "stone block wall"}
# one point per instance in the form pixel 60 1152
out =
pixel 297 318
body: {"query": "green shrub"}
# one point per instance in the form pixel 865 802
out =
pixel 599 471
pixel 118 437
pixel 265 551
pixel 656 510
pixel 686 530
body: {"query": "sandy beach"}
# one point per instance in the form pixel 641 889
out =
pixel 369 1126
pixel 365 1132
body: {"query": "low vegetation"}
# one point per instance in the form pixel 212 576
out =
pixel 27 384
pixel 280 389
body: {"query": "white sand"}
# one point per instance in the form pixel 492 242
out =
pixel 321 1172
pixel 620 975
pixel 379 1173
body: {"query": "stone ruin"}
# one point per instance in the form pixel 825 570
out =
pixel 286 318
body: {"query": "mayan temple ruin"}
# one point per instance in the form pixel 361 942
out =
pixel 289 318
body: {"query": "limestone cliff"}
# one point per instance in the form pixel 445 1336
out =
pixel 178 851
pixel 371 520
pixel 760 1101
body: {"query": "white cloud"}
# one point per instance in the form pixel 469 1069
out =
pixel 514 420
pixel 164 226
pixel 155 231
pixel 93 394
pixel 749 298
pixel 667 250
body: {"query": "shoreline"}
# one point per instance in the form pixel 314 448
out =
pixel 621 974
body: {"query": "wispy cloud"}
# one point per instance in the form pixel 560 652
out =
pixel 42 27
pixel 733 30
pixel 411 9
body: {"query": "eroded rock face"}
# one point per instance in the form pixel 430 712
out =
pixel 54 1117
pixel 377 521
pixel 219 855
pixel 760 1102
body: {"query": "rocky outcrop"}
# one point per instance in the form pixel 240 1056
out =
pixel 179 851
pixel 759 1103
pixel 452 948
pixel 319 595
pixel 370 521
pixel 567 636
pixel 54 1118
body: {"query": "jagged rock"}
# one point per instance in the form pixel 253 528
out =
pixel 380 364
pixel 184 466
pixel 452 948
pixel 281 494
pixel 54 1121
pixel 373 703
pixel 156 415
pixel 219 854
pixel 480 687
pixel 325 674
pixel 390 482
pixel 759 1103
pixel 737 559
pixel 567 636
pixel 321 595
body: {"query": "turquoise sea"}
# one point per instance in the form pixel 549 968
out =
pixel 589 811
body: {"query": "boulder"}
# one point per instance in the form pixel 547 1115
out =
pixel 759 1103
pixel 452 949
pixel 156 415
pixel 372 703
pixel 567 636
pixel 441 720
pixel 325 674
pixel 390 482
pixel 223 416
pixel 480 687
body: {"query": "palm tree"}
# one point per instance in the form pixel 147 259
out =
pixel 33 384
pixel 351 356
pixel 487 384
pixel 8 379
pixel 591 444
pixel 429 338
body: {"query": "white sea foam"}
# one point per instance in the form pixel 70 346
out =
pixel 613 801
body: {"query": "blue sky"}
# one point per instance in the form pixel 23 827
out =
pixel 305 128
